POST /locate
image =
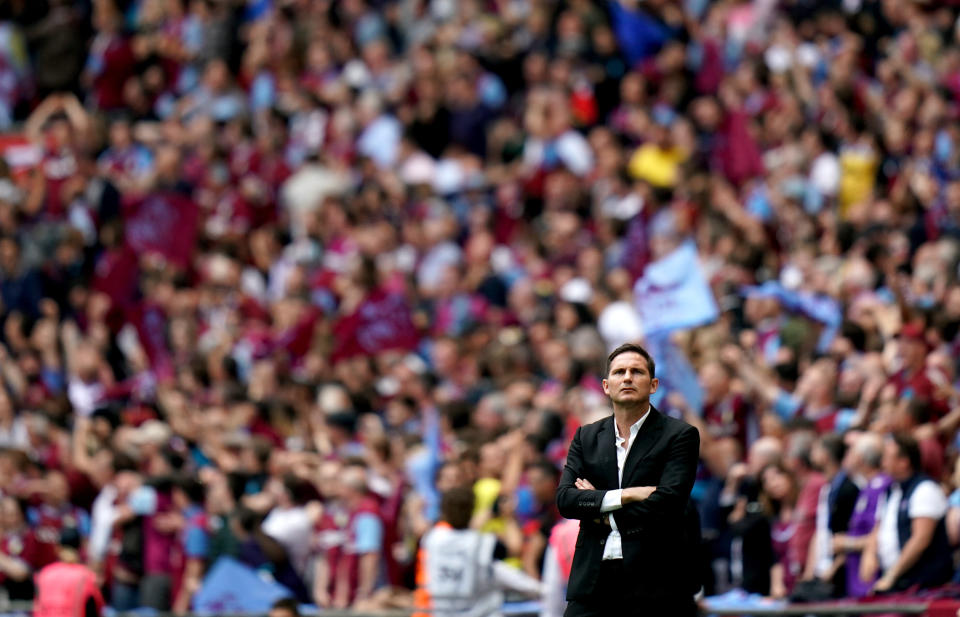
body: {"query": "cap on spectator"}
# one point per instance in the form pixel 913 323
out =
pixel 152 431
pixel 912 331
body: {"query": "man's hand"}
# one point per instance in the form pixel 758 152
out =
pixel 840 544
pixel 584 485
pixel 636 493
pixel 883 585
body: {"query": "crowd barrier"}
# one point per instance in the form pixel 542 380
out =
pixel 18 609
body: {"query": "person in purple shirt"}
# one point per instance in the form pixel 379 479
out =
pixel 863 464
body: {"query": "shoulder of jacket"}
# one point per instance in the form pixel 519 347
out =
pixel 594 426
pixel 674 424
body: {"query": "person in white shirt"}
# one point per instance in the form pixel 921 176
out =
pixel 909 544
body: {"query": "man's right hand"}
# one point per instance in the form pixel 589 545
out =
pixel 636 493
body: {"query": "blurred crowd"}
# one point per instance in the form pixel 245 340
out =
pixel 275 273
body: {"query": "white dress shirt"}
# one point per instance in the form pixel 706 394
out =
pixel 612 499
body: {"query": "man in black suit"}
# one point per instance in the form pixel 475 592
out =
pixel 628 479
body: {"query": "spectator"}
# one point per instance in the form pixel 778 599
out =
pixel 19 551
pixel 54 514
pixel 67 585
pixel 358 568
pixel 288 521
pixel 21 290
pixel 542 478
pixel 264 554
pixel 913 381
pixel 909 545
pixel 557 563
pixel 863 462
pixel 837 500
pixel 188 497
pixel 477 587
pixel 809 483
pixel 953 513
pixel 778 495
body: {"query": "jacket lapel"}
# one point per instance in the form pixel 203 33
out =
pixel 646 438
pixel 607 436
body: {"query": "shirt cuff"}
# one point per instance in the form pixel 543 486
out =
pixel 611 501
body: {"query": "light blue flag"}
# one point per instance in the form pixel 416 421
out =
pixel 675 372
pixel 673 293
pixel 232 587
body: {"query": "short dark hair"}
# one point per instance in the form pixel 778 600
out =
pixel 633 348
pixel 286 604
pixel 456 506
pixel 192 488
pixel 908 447
pixel 544 466
pixel 834 446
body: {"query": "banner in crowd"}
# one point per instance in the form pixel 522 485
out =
pixel 673 293
pixel 382 322
pixel 818 307
pixel 163 223
pixel 675 373
pixel 231 588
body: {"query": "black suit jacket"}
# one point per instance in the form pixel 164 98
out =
pixel 657 546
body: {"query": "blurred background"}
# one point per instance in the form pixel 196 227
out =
pixel 277 273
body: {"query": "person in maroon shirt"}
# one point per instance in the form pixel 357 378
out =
pixel 778 495
pixel 48 518
pixel 58 126
pixel 913 381
pixel 726 413
pixel 19 551
pixel 809 483
pixel 111 61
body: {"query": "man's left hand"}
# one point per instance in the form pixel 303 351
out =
pixel 584 485
pixel 884 584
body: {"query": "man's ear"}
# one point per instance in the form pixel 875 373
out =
pixel 606 387
pixel 654 383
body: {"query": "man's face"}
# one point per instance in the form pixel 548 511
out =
pixel 892 463
pixel 629 380
pixel 818 456
pixel 543 486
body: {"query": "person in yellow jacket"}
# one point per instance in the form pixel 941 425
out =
pixel 659 160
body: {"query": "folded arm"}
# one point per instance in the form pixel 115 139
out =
pixel 668 501
pixel 572 501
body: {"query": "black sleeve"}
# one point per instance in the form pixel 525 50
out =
pixel 571 501
pixel 667 503
pixel 90 608
pixel 843 508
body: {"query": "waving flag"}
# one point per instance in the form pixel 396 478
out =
pixel 164 223
pixel 673 293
